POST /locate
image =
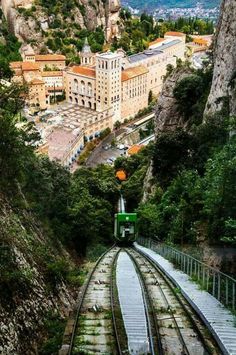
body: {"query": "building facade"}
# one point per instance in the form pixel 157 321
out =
pixel 44 75
pixel 119 82
pixel 103 81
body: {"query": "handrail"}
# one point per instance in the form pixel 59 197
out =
pixel 217 283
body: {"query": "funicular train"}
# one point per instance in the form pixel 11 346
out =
pixel 125 223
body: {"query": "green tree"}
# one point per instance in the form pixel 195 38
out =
pixel 220 192
pixel 187 93
pixel 173 151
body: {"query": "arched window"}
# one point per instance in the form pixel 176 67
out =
pixel 90 104
pixel 106 65
pixel 76 100
pixel 82 83
pixel 76 86
pixel 70 98
pixel 95 106
pixel 82 102
pixel 89 89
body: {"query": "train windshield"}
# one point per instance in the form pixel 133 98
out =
pixel 126 228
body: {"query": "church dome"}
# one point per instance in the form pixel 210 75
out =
pixel 86 47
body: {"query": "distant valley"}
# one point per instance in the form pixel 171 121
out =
pixel 154 4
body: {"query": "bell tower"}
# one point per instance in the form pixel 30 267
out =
pixel 86 55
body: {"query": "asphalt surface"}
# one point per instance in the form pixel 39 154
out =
pixel 101 155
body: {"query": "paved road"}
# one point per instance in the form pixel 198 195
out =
pixel 100 155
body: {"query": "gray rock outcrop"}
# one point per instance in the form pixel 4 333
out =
pixel 224 76
pixel 167 116
pixel 87 15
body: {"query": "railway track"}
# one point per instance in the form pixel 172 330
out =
pixel 180 329
pixel 94 330
pixel 128 306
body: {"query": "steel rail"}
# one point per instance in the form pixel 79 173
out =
pixel 112 297
pixel 149 304
pixel 84 291
pixel 172 287
pixel 184 346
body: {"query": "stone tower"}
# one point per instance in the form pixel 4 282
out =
pixel 108 83
pixel 86 55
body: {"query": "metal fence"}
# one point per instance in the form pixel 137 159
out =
pixel 218 284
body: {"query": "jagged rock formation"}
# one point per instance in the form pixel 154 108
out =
pixel 167 116
pixel 28 291
pixel 223 88
pixel 87 14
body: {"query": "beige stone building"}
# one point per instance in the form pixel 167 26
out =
pixel 37 72
pixel 108 83
pixel 29 73
pixel 119 82
pixel 134 91
pixel 81 86
pixel 37 94
pixel 45 61
pixel 64 140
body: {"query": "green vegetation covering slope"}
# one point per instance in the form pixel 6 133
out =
pixel 194 173
pixel 62 26
pixel 138 32
pixel 9 48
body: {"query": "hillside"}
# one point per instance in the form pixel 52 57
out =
pixel 62 25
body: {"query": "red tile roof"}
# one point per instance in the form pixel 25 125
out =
pixel 158 40
pixel 173 33
pixel 200 41
pixel 134 149
pixel 49 57
pixel 131 73
pixel 15 65
pixel 29 66
pixel 85 71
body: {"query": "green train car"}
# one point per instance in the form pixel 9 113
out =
pixel 125 229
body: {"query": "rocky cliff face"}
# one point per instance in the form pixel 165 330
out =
pixel 31 286
pixel 223 88
pixel 168 117
pixel 30 21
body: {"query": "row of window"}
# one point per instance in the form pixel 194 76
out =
pixel 104 64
